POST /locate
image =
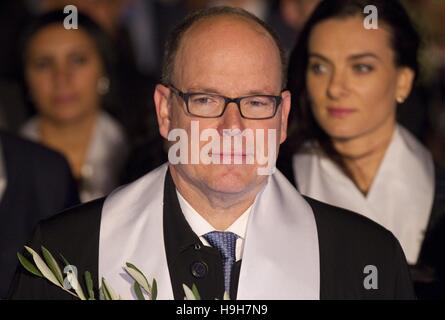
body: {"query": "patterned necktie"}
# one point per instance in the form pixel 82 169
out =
pixel 225 243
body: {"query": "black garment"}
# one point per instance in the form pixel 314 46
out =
pixel 348 242
pixel 429 272
pixel 144 158
pixel 39 184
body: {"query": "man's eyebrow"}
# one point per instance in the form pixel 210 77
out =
pixel 218 92
pixel 202 89
pixel 351 57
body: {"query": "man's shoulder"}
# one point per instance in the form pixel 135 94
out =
pixel 72 227
pixel 73 232
pixel 351 246
pixel 83 215
pixel 335 222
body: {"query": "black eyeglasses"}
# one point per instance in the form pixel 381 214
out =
pixel 207 105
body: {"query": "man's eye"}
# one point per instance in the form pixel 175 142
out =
pixel 203 100
pixel 363 68
pixel 317 68
pixel 257 102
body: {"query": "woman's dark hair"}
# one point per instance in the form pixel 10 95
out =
pixel 404 41
pixel 85 23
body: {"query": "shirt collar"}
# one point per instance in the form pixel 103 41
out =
pixel 200 226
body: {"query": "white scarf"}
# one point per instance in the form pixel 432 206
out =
pixel 400 197
pixel 280 258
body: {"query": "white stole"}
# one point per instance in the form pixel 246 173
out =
pixel 280 258
pixel 400 197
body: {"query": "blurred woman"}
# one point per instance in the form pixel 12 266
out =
pixel 350 151
pixel 66 72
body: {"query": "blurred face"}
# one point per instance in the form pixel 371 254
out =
pixel 352 80
pixel 230 57
pixel 63 69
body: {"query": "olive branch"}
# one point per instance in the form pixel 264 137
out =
pixel 46 267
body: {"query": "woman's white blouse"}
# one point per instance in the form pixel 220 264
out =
pixel 104 159
pixel 400 197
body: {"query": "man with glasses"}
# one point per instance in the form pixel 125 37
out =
pixel 220 225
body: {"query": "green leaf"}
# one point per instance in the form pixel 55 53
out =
pixel 188 293
pixel 28 265
pixel 65 261
pixel 43 268
pixel 138 291
pixel 138 276
pixel 196 292
pixel 78 288
pixel 154 290
pixel 89 284
pixel 104 293
pixel 109 292
pixel 52 263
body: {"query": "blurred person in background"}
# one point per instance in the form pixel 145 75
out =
pixel 35 184
pixel 430 16
pixel 67 76
pixel 132 81
pixel 350 151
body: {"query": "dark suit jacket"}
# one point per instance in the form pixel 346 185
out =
pixel 39 184
pixel 348 242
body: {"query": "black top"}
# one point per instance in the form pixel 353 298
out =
pixel 39 184
pixel 348 242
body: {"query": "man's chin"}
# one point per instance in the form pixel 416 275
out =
pixel 232 178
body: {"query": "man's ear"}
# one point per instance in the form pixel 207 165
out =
pixel 161 98
pixel 285 109
pixel 405 80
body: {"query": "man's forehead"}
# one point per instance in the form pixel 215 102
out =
pixel 223 24
pixel 223 43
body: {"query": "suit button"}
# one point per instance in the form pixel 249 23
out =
pixel 199 269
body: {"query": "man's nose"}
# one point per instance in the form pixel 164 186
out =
pixel 231 119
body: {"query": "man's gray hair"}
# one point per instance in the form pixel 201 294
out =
pixel 175 37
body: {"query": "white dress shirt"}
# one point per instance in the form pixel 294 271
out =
pixel 200 226
pixel 400 197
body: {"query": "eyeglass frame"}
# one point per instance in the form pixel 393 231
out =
pixel 185 96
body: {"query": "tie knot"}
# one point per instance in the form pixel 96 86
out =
pixel 225 242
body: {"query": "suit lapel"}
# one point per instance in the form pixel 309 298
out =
pixel 189 261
